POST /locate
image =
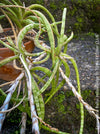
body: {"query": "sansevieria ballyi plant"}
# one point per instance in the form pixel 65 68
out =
pixel 29 100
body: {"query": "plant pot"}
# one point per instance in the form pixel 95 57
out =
pixel 8 72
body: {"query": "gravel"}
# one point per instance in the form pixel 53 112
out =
pixel 83 52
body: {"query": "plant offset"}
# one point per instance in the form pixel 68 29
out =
pixel 24 91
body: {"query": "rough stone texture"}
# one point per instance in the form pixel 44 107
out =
pixel 83 52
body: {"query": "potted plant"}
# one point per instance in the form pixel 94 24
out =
pixel 5 52
pixel 8 70
pixel 30 63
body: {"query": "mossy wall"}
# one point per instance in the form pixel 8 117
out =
pixel 82 15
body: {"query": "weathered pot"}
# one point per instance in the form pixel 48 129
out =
pixel 8 72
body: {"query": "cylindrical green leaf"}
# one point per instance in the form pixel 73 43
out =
pixel 21 36
pixel 49 32
pixel 5 61
pixel 51 77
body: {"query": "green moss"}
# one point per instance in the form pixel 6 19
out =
pixel 92 34
pixel 14 117
pixel 82 15
pixel 53 5
pixel 59 103
pixel 69 93
pixel 86 94
pixel 64 110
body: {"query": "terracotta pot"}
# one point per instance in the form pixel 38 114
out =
pixel 7 29
pixel 8 72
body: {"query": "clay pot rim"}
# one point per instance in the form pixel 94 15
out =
pixel 4 48
pixel 7 29
pixel 26 43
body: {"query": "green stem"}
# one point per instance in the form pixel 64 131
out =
pixel 54 91
pixel 69 39
pixel 34 54
pixel 37 44
pixel 43 8
pixel 8 46
pixel 50 78
pixel 63 22
pixel 67 72
pixel 2 16
pixel 21 36
pixel 13 99
pixel 39 78
pixel 38 99
pixel 34 18
pixel 62 37
pixel 53 130
pixel 43 69
pixel 79 91
pixel 42 61
pixel 50 34
pixel 5 61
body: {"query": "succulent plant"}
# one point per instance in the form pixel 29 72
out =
pixel 30 63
